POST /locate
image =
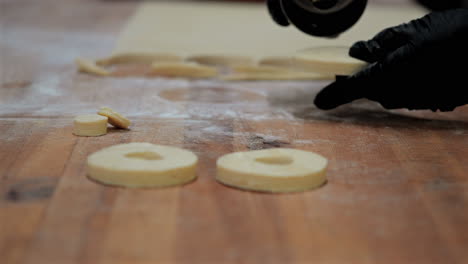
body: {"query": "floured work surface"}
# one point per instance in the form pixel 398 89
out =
pixel 396 190
pixel 236 31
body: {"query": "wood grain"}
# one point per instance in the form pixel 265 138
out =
pixel 396 192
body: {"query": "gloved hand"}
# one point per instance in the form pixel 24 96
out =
pixel 418 65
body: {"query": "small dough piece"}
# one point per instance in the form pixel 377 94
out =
pixel 280 76
pixel 272 170
pixel 115 118
pixel 328 60
pixel 138 58
pixel 140 165
pixel 89 66
pixel 221 60
pixel 90 125
pixel 183 69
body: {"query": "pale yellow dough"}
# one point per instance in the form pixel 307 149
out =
pixel 226 33
pixel 262 72
pixel 272 170
pixel 220 60
pixel 90 125
pixel 328 60
pixel 183 69
pixel 142 165
pixel 284 62
pixel 115 118
pixel 89 66
pixel 138 58
pixel 259 69
pixel 281 76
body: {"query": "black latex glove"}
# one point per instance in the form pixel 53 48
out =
pixel 418 65
pixel 443 5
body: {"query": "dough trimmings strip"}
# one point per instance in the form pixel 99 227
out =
pixel 280 76
pixel 328 60
pixel 183 69
pixel 138 58
pixel 284 62
pixel 221 60
pixel 259 69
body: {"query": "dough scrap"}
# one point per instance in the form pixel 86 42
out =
pixel 90 125
pixel 221 60
pixel 272 170
pixel 140 165
pixel 89 66
pixel 183 69
pixel 138 58
pixel 115 119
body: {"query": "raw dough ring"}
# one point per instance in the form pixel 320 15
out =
pixel 272 170
pixel 137 165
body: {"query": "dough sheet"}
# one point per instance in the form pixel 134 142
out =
pixel 241 32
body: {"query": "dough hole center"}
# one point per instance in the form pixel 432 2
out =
pixel 275 160
pixel 145 155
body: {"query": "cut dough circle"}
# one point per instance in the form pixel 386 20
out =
pixel 272 170
pixel 90 125
pixel 139 165
pixel 328 60
pixel 115 118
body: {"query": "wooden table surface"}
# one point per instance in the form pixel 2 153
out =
pixel 397 188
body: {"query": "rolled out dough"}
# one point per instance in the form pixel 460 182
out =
pixel 220 33
pixel 272 170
